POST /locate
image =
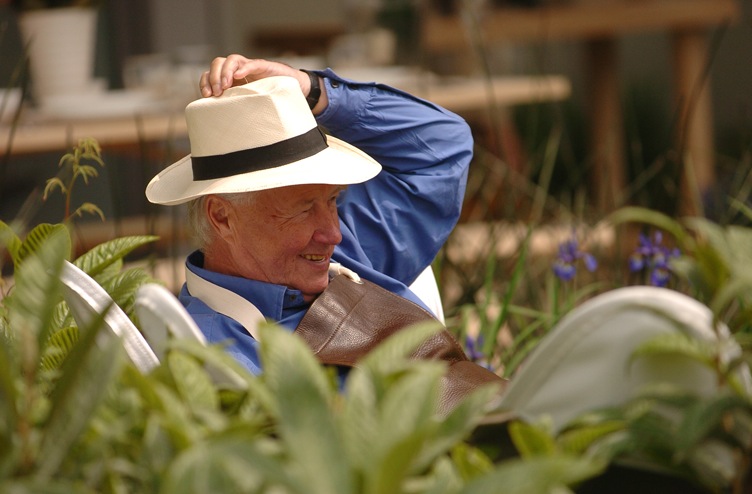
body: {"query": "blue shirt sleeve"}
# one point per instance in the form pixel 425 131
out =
pixel 397 222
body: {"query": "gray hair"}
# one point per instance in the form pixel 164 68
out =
pixel 198 221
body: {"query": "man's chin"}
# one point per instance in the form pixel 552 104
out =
pixel 312 291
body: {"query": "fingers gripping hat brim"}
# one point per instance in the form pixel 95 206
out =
pixel 254 137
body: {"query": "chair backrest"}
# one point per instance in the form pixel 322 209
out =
pixel 162 316
pixel 87 299
pixel 586 362
pixel 426 288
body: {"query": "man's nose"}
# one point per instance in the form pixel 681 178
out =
pixel 327 228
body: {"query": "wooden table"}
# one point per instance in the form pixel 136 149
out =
pixel 38 134
pixel 599 24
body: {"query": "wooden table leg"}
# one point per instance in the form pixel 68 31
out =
pixel 606 134
pixel 694 134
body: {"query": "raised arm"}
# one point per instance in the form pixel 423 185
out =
pixel 235 70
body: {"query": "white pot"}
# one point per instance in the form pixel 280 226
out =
pixel 61 44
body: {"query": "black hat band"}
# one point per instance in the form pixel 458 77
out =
pixel 260 158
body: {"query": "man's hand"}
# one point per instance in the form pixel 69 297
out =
pixel 236 70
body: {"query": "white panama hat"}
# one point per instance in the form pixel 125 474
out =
pixel 261 135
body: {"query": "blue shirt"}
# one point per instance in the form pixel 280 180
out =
pixel 392 225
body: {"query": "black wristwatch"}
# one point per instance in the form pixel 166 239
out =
pixel 315 93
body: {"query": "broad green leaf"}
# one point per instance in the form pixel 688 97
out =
pixel 536 475
pixel 680 344
pixel 739 286
pixel 58 347
pixel 176 417
pixel 192 382
pixel 408 416
pixel 101 256
pixel 391 354
pixel 10 375
pixel 85 377
pixel 229 464
pixel 10 241
pixel 714 464
pixel 457 425
pixel 164 404
pixel 359 419
pixel 576 441
pixel 122 287
pixel 704 417
pixel 470 461
pixel 659 220
pixel 39 234
pixel 38 289
pixel 39 486
pixel 654 436
pixel 411 401
pixel 306 421
pixel 443 478
pixel 531 440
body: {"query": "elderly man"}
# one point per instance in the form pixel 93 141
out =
pixel 275 202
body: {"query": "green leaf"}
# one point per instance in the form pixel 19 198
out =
pixel 577 441
pixel 536 475
pixel 52 184
pixel 659 220
pixel 360 417
pixel 700 420
pixel 227 463
pixel 531 440
pixel 39 234
pixel 306 421
pixel 10 241
pixel 58 347
pixel 164 402
pixel 38 289
pixel 89 208
pixel 470 461
pixel 122 286
pixel 10 374
pixel 457 425
pixel 85 377
pixel 406 421
pixel 391 354
pixel 192 382
pixel 100 257
pixel 38 486
pixel 680 344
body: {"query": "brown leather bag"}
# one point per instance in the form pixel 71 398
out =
pixel 350 318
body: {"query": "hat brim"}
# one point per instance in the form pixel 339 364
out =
pixel 338 164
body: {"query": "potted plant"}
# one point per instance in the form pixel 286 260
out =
pixel 60 39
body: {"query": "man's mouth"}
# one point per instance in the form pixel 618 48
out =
pixel 314 258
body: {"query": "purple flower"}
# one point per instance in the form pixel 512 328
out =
pixel 651 256
pixel 569 253
pixel 474 353
pixel 473 348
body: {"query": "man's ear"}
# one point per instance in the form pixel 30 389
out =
pixel 219 213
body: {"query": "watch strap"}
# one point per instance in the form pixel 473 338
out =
pixel 315 93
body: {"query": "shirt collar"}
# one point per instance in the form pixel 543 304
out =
pixel 272 300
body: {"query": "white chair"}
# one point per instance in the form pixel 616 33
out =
pixel 426 288
pixel 585 362
pixel 87 299
pixel 162 317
